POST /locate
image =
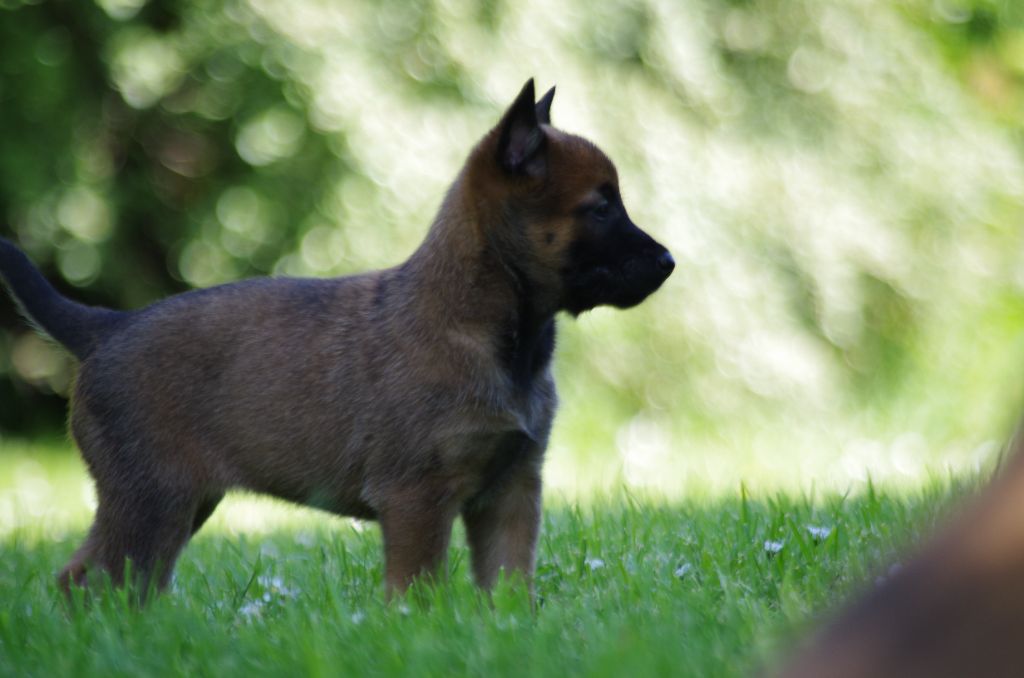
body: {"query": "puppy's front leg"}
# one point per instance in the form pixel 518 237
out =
pixel 417 527
pixel 502 527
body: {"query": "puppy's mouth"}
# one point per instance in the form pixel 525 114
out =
pixel 622 286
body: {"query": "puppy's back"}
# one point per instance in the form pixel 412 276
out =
pixel 260 367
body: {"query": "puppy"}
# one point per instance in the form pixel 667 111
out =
pixel 955 609
pixel 410 396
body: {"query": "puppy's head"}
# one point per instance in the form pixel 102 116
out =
pixel 560 220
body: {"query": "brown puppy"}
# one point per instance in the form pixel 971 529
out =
pixel 956 609
pixel 411 395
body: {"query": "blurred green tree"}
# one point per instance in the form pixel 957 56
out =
pixel 841 182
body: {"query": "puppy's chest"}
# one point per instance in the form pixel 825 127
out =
pixel 502 453
pixel 490 446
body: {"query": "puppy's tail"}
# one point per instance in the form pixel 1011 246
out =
pixel 78 327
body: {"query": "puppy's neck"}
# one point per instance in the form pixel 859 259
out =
pixel 468 274
pixel 465 264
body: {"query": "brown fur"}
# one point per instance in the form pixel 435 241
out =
pixel 956 609
pixel 412 395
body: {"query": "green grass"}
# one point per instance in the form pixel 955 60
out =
pixel 627 586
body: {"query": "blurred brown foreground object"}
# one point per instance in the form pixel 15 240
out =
pixel 956 609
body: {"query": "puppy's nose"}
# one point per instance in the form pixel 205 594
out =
pixel 666 263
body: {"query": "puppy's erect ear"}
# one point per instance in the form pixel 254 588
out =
pixel 544 107
pixel 520 139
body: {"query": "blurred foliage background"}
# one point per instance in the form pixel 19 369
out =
pixel 840 182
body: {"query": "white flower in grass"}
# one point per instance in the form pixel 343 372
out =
pixel 773 547
pixel 594 563
pixel 275 585
pixel 251 610
pixel 357 617
pixel 683 570
pixel 819 533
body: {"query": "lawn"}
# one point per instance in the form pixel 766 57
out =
pixel 627 585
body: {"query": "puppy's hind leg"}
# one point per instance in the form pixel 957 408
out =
pixel 150 501
pixel 74 573
pixel 140 530
pixel 141 534
pixel 205 509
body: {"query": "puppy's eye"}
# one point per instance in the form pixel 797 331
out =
pixel 601 211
